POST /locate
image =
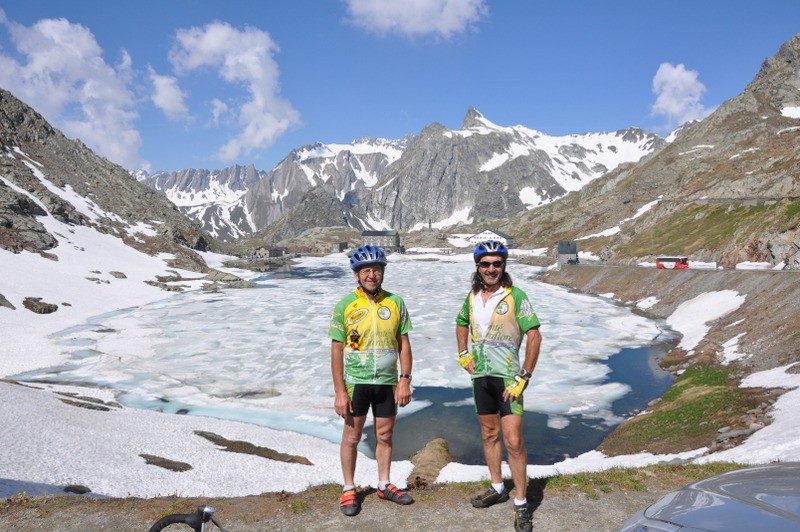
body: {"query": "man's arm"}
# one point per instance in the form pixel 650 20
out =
pixel 402 394
pixel 341 403
pixel 532 347
pixel 534 342
pixel 462 336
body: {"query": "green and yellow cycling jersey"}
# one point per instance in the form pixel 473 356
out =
pixel 496 350
pixel 369 331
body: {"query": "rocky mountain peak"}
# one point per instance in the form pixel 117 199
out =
pixel 786 61
pixel 19 123
pixel 432 130
pixel 473 119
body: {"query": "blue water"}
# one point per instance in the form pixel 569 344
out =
pixel 458 425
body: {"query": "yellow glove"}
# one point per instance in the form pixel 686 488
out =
pixel 464 358
pixel 519 384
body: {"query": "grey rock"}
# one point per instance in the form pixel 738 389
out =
pixel 35 304
pixel 733 434
pixel 6 303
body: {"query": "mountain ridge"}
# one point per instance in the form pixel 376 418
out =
pixel 410 183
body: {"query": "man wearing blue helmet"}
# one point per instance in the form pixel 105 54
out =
pixel 490 327
pixel 369 334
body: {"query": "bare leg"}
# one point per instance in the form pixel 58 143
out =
pixel 490 432
pixel 517 455
pixel 348 450
pixel 384 430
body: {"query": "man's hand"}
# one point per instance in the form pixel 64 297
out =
pixel 514 390
pixel 402 393
pixel 466 361
pixel 342 405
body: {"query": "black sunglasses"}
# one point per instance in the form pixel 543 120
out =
pixel 496 264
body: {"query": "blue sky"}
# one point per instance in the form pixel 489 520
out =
pixel 173 84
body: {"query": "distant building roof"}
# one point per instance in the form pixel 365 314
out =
pixel 498 233
pixel 390 232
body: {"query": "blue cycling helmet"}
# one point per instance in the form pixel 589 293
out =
pixel 368 254
pixel 490 247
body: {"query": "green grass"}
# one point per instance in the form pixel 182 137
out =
pixel 792 210
pixel 696 376
pixel 592 484
pixel 299 506
pixel 698 403
pixel 693 418
pixel 698 227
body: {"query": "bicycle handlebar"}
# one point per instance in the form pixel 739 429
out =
pixel 196 520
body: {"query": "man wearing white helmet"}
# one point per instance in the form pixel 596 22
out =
pixel 369 334
pixel 490 327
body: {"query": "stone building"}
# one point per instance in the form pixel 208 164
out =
pixel 386 240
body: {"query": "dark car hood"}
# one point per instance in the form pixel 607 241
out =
pixel 765 497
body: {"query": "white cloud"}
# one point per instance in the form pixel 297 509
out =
pixel 678 93
pixel 412 18
pixel 218 110
pixel 168 96
pixel 60 71
pixel 243 57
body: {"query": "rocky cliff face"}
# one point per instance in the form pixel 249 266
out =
pixel 726 190
pixel 483 171
pixel 40 170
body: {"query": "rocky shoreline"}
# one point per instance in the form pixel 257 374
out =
pixel 765 323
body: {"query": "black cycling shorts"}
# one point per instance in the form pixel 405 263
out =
pixel 378 396
pixel 488 394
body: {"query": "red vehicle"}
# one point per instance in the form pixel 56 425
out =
pixel 672 263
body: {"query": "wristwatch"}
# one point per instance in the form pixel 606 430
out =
pixel 405 376
pixel 524 373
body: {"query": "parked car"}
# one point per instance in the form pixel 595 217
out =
pixel 765 497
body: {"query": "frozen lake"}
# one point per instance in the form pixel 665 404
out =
pixel 262 356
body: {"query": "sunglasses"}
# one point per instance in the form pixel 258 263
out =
pixel 496 264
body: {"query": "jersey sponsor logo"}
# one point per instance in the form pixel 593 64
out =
pixel 502 308
pixel 384 313
pixel 357 316
pixel 355 340
pixel 526 309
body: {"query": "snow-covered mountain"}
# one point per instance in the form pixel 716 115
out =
pixel 193 187
pixel 204 195
pixel 341 172
pixel 439 178
pixel 483 171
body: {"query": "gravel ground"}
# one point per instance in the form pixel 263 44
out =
pixel 439 508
